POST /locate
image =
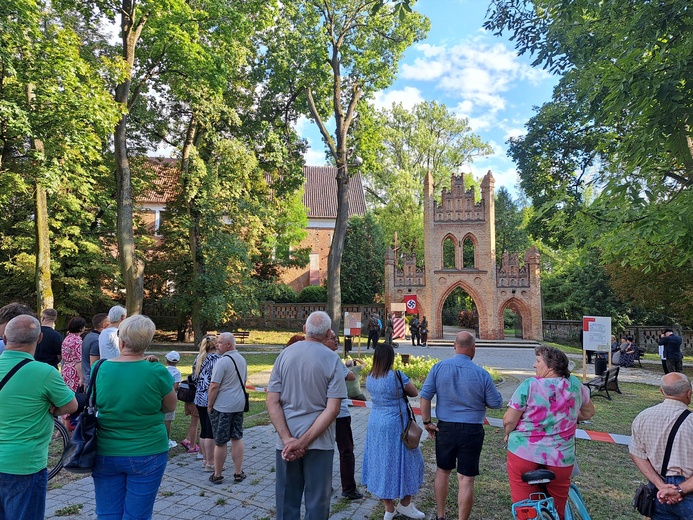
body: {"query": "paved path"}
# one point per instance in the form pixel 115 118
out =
pixel 186 492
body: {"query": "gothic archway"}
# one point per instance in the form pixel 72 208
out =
pixel 473 294
pixel 521 316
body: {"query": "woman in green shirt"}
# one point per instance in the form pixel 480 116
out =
pixel 132 396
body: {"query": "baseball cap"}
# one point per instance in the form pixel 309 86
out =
pixel 173 356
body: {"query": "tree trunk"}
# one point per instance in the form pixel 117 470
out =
pixel 199 328
pixel 334 259
pixel 132 268
pixel 44 285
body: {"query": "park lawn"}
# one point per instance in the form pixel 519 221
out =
pixel 607 480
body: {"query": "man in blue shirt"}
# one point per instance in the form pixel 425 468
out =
pixel 464 390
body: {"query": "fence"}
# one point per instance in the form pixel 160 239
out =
pixel 645 336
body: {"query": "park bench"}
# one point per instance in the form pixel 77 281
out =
pixel 641 354
pixel 607 381
pixel 241 335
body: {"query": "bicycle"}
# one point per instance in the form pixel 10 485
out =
pixel 59 441
pixel 540 505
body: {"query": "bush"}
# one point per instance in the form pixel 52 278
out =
pixel 467 320
pixel 313 294
pixel 281 293
pixel 417 369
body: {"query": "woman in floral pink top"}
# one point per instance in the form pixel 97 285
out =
pixel 72 353
pixel 540 425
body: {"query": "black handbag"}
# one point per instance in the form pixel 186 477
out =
pixel 80 453
pixel 186 390
pixel 646 494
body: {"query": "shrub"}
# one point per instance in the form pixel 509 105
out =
pixel 417 369
pixel 281 293
pixel 467 319
pixel 312 294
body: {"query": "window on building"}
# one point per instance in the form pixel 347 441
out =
pixel 468 253
pixel 449 253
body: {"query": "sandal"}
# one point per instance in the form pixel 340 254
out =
pixel 208 468
pixel 216 480
pixel 185 443
pixel 239 477
pixel 194 449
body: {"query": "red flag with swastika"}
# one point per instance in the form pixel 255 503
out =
pixel 412 303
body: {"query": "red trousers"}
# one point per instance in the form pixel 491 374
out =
pixel 557 488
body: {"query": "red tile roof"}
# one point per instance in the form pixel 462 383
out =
pixel 320 188
pixel 320 196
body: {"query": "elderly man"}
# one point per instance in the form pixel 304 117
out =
pixel 651 429
pixel 304 394
pixel 225 404
pixel 671 348
pixel 7 312
pixel 464 390
pixel 27 401
pixel 109 346
pixel 345 437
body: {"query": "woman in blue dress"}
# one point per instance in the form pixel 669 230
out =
pixel 390 470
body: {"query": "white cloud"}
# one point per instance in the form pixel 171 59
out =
pixel 408 96
pixel 479 73
pixel 314 157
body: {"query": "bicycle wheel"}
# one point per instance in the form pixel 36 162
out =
pixel 575 508
pixel 56 448
pixel 547 515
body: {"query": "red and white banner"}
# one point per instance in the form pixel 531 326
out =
pixel 412 303
pixel 398 326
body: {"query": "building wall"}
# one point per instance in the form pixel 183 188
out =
pixel 318 240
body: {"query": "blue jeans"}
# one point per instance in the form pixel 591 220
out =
pixel 126 487
pixel 23 497
pixel 681 511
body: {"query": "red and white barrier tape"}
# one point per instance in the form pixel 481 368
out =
pixel 589 435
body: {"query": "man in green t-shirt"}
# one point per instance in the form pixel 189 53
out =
pixel 28 400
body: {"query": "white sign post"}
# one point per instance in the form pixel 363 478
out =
pixel 596 336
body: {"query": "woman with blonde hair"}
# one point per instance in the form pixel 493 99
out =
pixel 201 376
pixel 132 396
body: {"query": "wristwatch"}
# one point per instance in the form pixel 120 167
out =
pixel 426 422
pixel 678 488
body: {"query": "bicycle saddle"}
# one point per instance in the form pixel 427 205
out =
pixel 538 476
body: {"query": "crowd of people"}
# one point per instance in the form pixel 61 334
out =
pixel 306 403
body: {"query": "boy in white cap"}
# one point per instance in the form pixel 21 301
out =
pixel 172 359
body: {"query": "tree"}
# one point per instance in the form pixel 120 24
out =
pixel 363 266
pixel 399 147
pixel 511 235
pixel 338 52
pixel 626 66
pixel 55 115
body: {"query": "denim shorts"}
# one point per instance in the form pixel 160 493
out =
pixel 459 444
pixel 681 511
pixel 226 426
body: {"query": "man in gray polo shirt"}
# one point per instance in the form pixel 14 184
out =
pixel 225 404
pixel 304 393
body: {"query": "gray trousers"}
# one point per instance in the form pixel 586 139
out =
pixel 312 475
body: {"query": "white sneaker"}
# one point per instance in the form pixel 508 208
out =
pixel 172 444
pixel 389 516
pixel 409 511
pixel 200 456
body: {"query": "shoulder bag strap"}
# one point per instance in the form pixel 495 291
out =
pixel 91 390
pixel 404 395
pixel 238 374
pixel 670 441
pixel 13 371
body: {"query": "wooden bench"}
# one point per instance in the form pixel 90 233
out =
pixel 607 381
pixel 641 354
pixel 241 335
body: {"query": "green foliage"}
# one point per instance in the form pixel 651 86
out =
pixel 363 261
pixel 417 369
pixel 313 294
pixel 511 234
pixel 468 319
pixel 399 148
pixel 457 301
pixel 280 293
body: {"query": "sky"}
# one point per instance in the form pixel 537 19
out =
pixel 475 74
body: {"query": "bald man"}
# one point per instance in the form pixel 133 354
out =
pixel 651 429
pixel 32 393
pixel 464 390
